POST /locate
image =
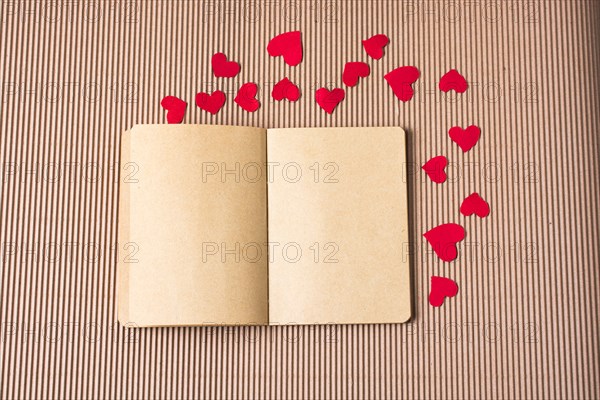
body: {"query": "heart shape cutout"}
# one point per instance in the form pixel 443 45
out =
pixel 443 240
pixel 223 68
pixel 453 80
pixel 401 79
pixel 353 71
pixel 375 44
pixel 211 103
pixel 285 89
pixel 441 288
pixel 475 204
pixel 288 45
pixel 465 138
pixel 328 100
pixel 436 169
pixel 175 108
pixel 245 97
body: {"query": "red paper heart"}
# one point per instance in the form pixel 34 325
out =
pixel 440 289
pixel 453 80
pixel 435 169
pixel 401 79
pixel 285 89
pixel 246 97
pixel 288 45
pixel 474 204
pixel 443 239
pixel 465 138
pixel 375 44
pixel 211 103
pixel 354 70
pixel 328 100
pixel 223 68
pixel 175 108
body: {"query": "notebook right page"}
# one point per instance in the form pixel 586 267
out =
pixel 338 226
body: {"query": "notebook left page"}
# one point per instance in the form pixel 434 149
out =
pixel 192 218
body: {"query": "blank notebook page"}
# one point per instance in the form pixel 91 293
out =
pixel 338 226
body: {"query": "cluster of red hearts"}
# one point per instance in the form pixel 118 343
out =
pixel 444 238
pixel 288 45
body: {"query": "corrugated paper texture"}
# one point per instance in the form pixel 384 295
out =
pixel 525 322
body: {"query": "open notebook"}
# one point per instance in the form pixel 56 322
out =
pixel 233 225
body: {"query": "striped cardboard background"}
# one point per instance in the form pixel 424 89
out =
pixel 525 322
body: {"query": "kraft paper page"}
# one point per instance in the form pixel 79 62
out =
pixel 190 197
pixel 338 225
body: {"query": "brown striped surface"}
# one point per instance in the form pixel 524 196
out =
pixel 525 322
